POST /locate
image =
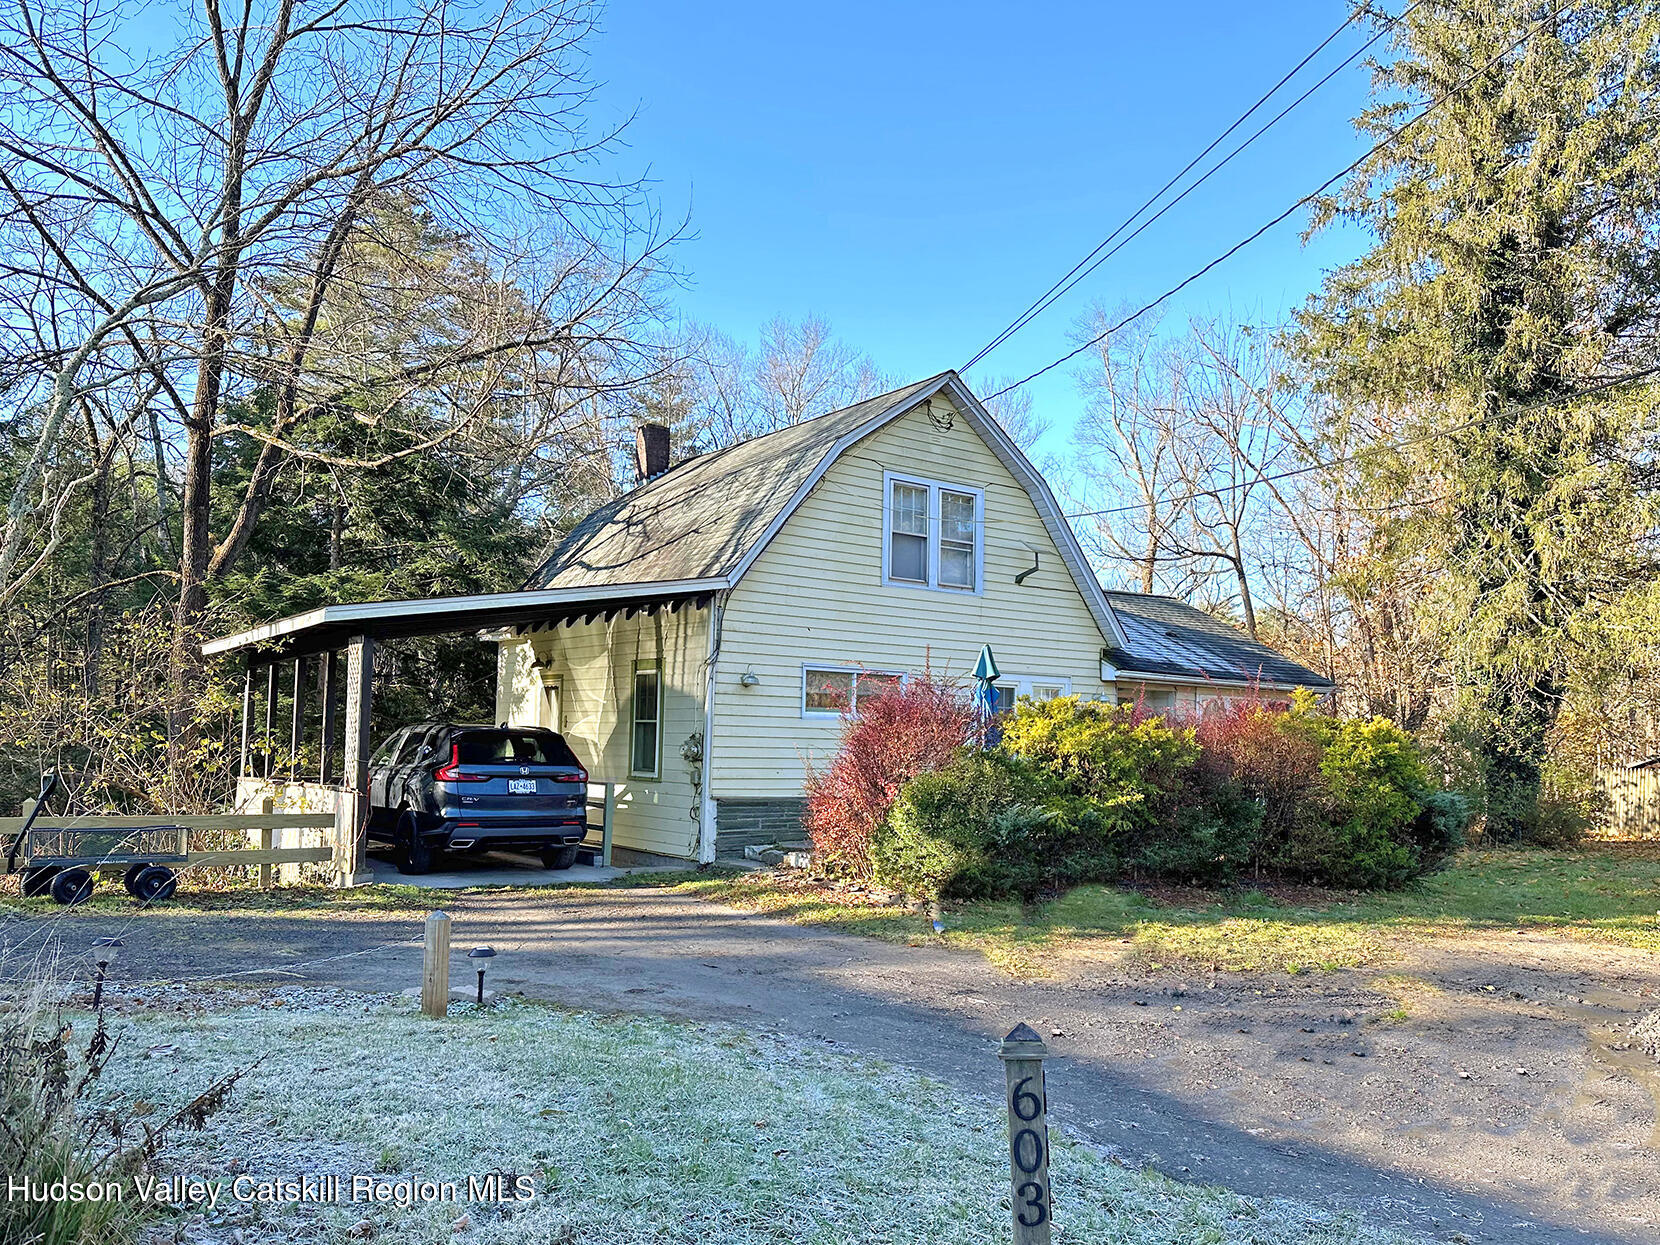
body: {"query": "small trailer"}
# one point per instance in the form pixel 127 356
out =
pixel 64 861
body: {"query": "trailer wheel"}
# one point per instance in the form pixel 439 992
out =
pixel 154 884
pixel 129 878
pixel 72 886
pixel 38 882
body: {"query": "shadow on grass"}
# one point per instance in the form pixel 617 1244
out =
pixel 1608 893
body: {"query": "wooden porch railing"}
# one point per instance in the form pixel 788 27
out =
pixel 606 802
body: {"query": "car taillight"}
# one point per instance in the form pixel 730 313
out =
pixel 451 771
pixel 577 775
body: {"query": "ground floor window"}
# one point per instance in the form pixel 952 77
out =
pixel 648 709
pixel 830 691
pixel 1153 699
pixel 1011 687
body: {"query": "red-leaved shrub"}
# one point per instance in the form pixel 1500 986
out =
pixel 905 730
pixel 1269 751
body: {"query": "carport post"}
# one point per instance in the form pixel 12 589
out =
pixel 351 868
pixel 331 726
pixel 266 765
pixel 296 719
pixel 247 712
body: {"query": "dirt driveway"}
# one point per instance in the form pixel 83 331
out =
pixel 1475 1094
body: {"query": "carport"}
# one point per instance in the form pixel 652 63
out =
pixel 322 662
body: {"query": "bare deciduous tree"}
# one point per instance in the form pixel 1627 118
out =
pixel 715 391
pixel 194 223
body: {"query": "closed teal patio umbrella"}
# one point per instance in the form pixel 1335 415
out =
pixel 986 674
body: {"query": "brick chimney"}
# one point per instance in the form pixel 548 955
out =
pixel 651 450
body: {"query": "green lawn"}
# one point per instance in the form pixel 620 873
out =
pixel 632 1131
pixel 1609 893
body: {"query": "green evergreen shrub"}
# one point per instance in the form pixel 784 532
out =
pixel 1375 790
pixel 971 830
pixel 1108 753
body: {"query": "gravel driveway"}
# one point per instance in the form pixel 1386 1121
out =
pixel 1477 1093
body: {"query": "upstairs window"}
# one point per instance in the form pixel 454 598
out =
pixel 908 533
pixel 934 535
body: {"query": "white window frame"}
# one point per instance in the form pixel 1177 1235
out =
pixel 830 667
pixel 655 667
pixel 932 562
pixel 1024 683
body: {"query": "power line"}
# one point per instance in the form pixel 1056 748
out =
pixel 1084 267
pixel 1301 203
pixel 1375 448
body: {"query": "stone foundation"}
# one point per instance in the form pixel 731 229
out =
pixel 742 823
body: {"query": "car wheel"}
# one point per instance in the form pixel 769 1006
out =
pixel 559 857
pixel 38 882
pixel 414 852
pixel 154 884
pixel 72 886
pixel 129 878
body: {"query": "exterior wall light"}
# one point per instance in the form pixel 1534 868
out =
pixel 481 957
pixel 749 678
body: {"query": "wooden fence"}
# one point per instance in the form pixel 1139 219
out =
pixel 57 834
pixel 1633 804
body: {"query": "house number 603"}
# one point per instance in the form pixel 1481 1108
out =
pixel 1030 1205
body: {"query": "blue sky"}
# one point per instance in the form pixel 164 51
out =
pixel 917 173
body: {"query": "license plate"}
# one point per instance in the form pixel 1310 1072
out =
pixel 521 786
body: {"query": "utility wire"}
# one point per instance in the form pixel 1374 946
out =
pixel 1307 199
pixel 1375 448
pixel 1084 267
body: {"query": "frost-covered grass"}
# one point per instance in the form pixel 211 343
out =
pixel 634 1130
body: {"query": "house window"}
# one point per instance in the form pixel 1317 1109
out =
pixel 1151 699
pixel 648 709
pixel 959 542
pixel 908 533
pixel 830 691
pixel 933 535
pixel 1011 687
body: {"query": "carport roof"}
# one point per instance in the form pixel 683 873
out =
pixel 331 626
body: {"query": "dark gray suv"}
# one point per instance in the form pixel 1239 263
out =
pixel 446 786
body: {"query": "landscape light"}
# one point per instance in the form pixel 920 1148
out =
pixel 483 955
pixel 104 952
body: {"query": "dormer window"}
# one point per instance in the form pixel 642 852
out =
pixel 934 534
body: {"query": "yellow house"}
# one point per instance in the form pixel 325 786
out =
pixel 698 639
pixel 897 535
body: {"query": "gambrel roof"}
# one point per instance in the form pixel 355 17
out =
pixel 700 518
pixel 712 516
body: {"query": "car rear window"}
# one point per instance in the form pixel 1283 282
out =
pixel 514 748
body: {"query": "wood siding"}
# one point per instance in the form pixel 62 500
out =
pixel 594 663
pixel 816 596
pixel 1633 804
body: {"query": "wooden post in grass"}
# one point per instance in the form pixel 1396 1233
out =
pixel 1022 1053
pixel 267 806
pixel 435 967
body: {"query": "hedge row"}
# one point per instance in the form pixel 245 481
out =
pixel 1079 791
